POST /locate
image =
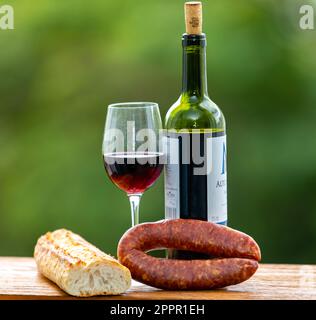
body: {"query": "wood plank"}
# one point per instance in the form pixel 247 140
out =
pixel 19 279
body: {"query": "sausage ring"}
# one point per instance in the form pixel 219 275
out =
pixel 236 254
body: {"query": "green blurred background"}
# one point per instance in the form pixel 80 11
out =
pixel 67 60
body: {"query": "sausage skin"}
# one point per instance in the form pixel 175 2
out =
pixel 238 254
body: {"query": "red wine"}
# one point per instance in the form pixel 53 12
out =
pixel 133 172
pixel 190 191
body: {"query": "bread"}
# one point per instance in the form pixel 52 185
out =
pixel 78 267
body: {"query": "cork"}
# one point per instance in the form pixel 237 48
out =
pixel 193 17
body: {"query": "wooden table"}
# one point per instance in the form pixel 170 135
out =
pixel 19 279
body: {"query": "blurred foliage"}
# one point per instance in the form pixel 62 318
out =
pixel 67 60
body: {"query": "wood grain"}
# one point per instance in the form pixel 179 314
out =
pixel 19 279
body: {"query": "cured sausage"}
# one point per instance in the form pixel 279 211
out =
pixel 236 254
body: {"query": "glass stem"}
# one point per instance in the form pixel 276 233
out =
pixel 134 200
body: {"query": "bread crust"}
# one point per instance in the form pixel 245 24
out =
pixel 62 254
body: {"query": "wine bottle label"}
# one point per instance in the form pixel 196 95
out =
pixel 195 176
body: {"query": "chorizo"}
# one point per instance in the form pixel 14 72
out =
pixel 235 254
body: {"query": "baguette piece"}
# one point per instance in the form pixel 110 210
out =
pixel 78 267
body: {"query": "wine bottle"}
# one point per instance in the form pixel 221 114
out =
pixel 195 173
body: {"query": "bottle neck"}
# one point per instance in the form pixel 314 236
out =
pixel 194 78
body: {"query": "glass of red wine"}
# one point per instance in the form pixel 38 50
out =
pixel 132 149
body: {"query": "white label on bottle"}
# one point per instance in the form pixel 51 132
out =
pixel 214 181
pixel 172 204
pixel 217 182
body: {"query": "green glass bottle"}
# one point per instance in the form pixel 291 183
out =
pixel 195 173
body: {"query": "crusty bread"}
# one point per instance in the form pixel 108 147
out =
pixel 78 267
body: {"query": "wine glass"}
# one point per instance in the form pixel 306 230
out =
pixel 132 147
